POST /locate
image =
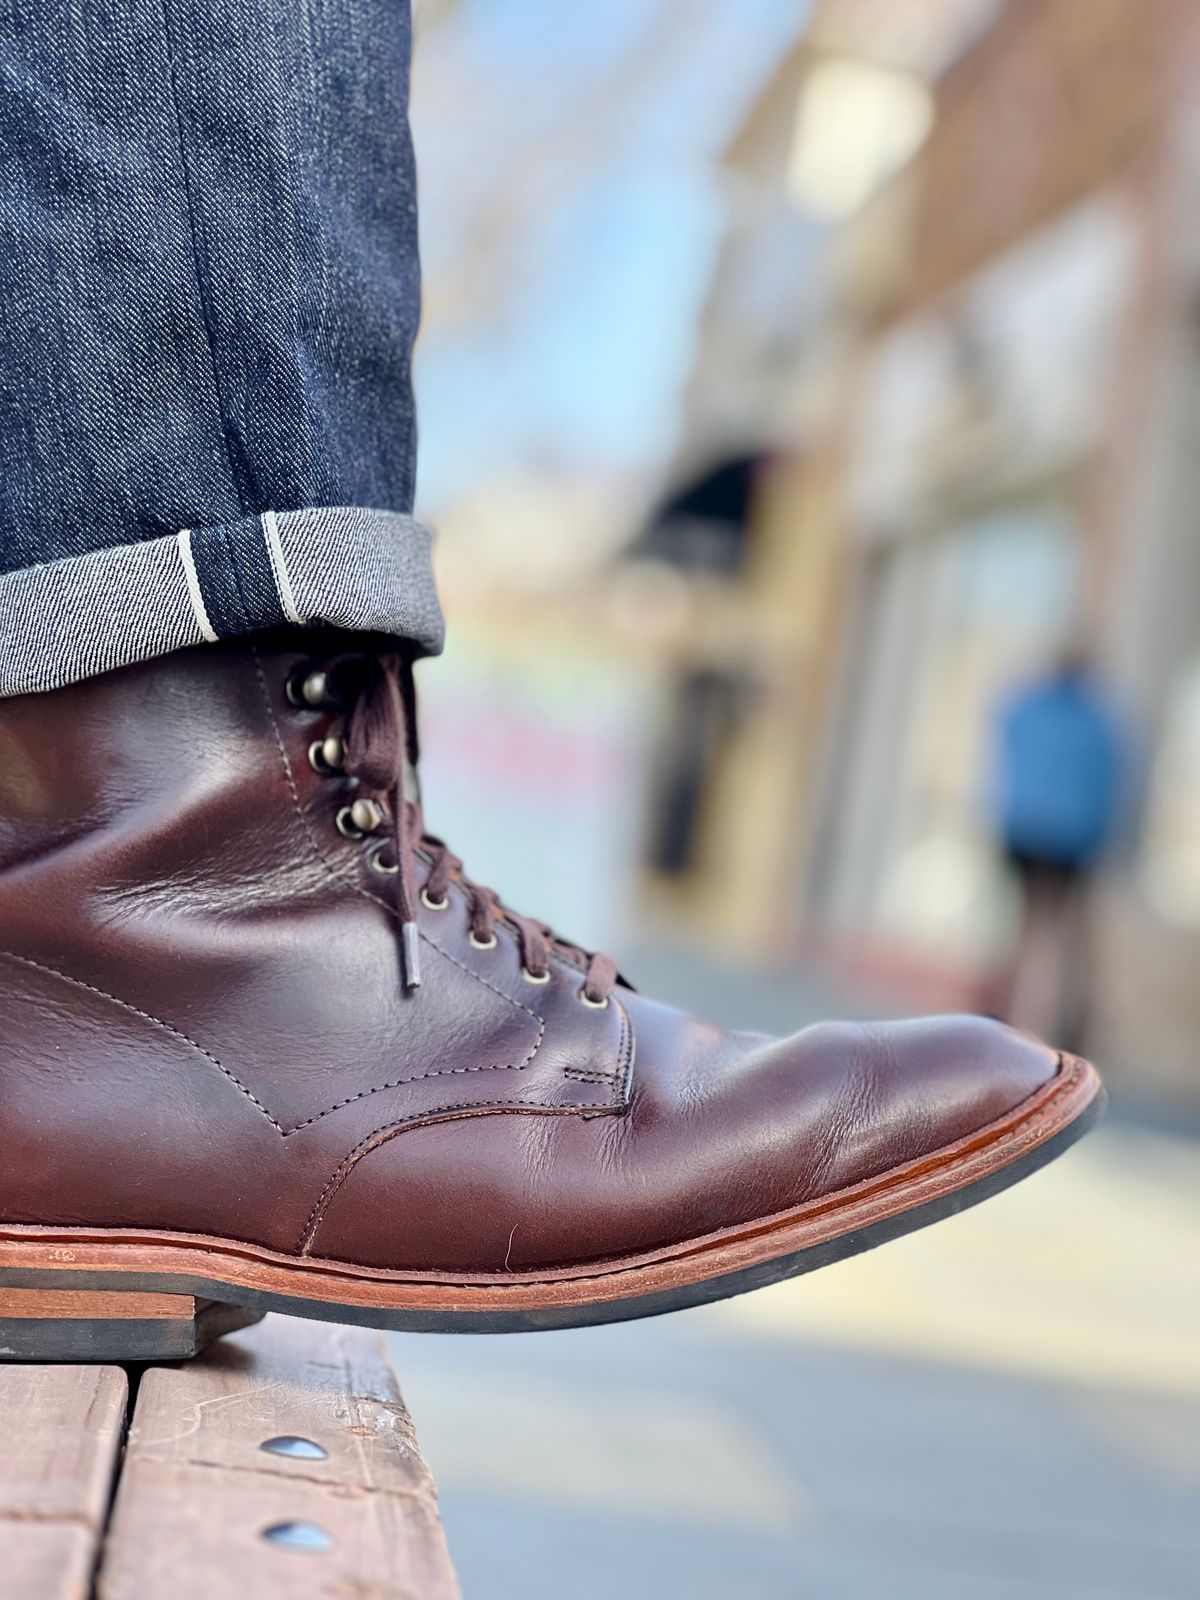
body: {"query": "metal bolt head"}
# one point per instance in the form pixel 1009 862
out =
pixel 290 1444
pixel 298 1536
pixel 333 752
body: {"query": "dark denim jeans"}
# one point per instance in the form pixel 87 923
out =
pixel 209 291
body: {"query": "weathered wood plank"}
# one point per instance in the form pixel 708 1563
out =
pixel 199 1492
pixel 62 1429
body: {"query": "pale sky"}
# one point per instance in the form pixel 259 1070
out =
pixel 592 124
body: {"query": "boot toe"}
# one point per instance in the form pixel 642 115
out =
pixel 894 1093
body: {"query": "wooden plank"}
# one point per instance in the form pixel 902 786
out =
pixel 61 1429
pixel 199 1492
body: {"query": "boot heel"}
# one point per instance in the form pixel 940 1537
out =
pixel 111 1325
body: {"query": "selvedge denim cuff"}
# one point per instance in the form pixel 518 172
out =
pixel 343 566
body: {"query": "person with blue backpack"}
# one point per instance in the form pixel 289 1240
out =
pixel 1060 790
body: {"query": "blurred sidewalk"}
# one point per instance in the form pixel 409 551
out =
pixel 1005 1406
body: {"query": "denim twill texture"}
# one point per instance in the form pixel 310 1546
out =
pixel 209 292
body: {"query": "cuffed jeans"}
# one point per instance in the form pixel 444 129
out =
pixel 209 291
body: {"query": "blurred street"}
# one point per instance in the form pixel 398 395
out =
pixel 809 395
pixel 809 411
pixel 1005 1407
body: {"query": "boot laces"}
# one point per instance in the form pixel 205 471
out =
pixel 380 745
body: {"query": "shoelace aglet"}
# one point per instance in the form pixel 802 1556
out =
pixel 410 947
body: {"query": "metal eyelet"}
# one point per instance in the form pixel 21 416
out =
pixel 593 1005
pixel 309 689
pixel 482 944
pixel 294 689
pixel 386 869
pixel 326 756
pixel 346 825
pixel 434 905
pixel 366 815
pixel 534 977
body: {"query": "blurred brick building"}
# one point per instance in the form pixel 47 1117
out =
pixel 957 378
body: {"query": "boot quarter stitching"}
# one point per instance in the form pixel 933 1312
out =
pixel 382 1135
pixel 284 1132
pixel 397 1083
pixel 167 1027
pixel 390 1131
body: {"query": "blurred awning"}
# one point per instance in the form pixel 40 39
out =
pixel 702 525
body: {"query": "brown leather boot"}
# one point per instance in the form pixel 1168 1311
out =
pixel 263 1044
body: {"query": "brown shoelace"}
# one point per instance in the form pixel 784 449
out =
pixel 380 742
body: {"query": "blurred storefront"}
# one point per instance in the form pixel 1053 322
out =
pixel 960 377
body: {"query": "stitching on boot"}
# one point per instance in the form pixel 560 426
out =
pixel 284 1132
pixel 397 1083
pixel 147 1016
pixel 617 1081
pixel 390 1131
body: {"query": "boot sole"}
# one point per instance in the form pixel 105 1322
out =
pixel 134 1294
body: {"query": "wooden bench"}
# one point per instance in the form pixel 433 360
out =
pixel 281 1460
